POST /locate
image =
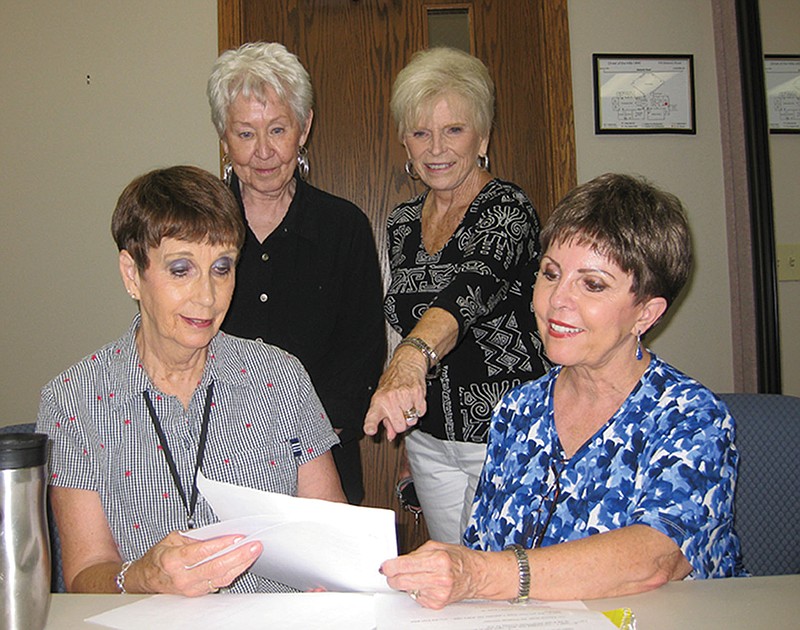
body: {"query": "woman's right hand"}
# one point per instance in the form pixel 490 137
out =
pixel 400 393
pixel 163 569
pixel 437 574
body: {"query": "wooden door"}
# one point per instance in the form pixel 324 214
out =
pixel 353 49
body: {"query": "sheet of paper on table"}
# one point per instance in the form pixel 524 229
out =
pixel 308 543
pixel 287 611
pixel 345 611
pixel 400 611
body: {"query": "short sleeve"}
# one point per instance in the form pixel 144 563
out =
pixel 70 460
pixel 312 425
pixel 687 489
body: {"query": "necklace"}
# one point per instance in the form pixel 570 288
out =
pixel 189 505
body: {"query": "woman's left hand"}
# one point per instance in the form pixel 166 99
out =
pixel 438 574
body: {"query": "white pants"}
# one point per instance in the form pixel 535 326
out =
pixel 445 477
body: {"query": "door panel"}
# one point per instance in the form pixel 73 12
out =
pixel 353 50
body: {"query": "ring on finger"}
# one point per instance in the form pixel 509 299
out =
pixel 414 594
pixel 411 415
pixel 212 588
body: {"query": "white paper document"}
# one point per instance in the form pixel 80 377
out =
pixel 343 611
pixel 308 543
pixel 287 611
pixel 400 611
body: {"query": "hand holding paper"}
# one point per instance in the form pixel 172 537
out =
pixel 308 543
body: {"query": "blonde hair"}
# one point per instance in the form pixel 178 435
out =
pixel 441 72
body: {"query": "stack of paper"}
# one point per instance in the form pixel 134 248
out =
pixel 308 543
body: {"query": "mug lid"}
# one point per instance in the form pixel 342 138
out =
pixel 22 450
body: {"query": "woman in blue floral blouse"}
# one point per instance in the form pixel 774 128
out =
pixel 614 473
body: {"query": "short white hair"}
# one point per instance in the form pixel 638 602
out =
pixel 250 70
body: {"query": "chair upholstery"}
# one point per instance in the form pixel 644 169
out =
pixel 57 572
pixel 767 501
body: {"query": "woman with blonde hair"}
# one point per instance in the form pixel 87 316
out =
pixel 462 257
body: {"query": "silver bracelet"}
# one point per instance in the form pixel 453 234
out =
pixel 120 579
pixel 524 573
pixel 429 353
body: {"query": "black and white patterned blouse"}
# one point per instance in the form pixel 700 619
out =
pixel 484 277
pixel 266 421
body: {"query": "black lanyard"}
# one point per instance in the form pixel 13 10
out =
pixel 201 449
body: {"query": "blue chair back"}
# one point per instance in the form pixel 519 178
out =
pixel 767 501
pixel 57 572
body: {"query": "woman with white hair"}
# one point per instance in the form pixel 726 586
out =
pixel 462 256
pixel 308 278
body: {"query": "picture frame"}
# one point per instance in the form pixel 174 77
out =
pixel 782 84
pixel 643 94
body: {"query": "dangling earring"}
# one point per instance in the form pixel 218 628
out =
pixel 483 162
pixel 302 162
pixel 639 354
pixel 227 170
pixel 409 168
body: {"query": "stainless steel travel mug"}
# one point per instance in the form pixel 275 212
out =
pixel 24 541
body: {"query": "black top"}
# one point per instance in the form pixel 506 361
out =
pixel 313 287
pixel 483 276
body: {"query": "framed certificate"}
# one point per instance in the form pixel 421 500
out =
pixel 643 94
pixel 782 82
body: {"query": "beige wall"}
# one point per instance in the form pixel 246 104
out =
pixel 697 339
pixel 780 29
pixel 70 147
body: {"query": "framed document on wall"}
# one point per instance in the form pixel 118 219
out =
pixel 782 82
pixel 643 93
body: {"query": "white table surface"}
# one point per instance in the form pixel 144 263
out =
pixel 730 604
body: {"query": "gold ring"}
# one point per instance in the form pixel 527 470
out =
pixel 411 416
pixel 414 594
pixel 212 588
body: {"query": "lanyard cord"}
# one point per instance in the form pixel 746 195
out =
pixel 201 449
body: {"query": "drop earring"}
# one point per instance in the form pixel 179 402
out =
pixel 302 162
pixel 409 169
pixel 227 170
pixel 639 354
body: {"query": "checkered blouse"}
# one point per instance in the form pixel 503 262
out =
pixel 266 421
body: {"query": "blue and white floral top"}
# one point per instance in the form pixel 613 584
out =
pixel 665 459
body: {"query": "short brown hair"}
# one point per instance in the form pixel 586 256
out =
pixel 641 228
pixel 180 202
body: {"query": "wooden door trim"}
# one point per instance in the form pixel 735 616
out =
pixel 555 57
pixel 229 24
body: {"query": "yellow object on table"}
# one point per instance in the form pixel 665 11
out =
pixel 622 618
